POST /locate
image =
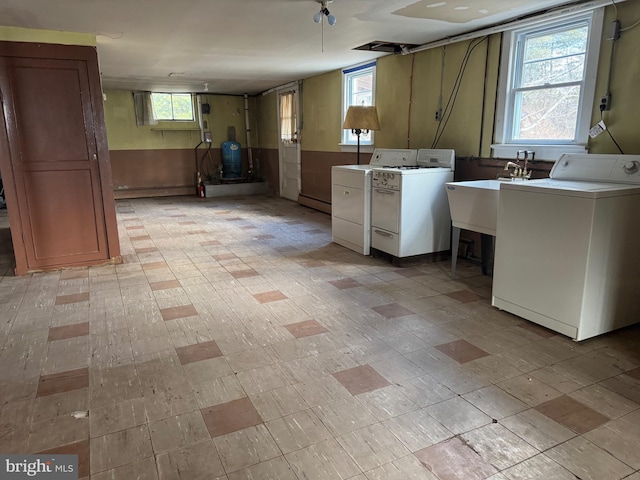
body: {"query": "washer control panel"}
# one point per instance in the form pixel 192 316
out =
pixel 631 167
pixel 598 168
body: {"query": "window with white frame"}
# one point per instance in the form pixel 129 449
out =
pixel 288 131
pixel 358 87
pixel 547 86
pixel 172 106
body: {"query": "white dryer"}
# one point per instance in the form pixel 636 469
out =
pixel 351 197
pixel 567 253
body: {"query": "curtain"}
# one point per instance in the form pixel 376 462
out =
pixel 144 109
pixel 288 132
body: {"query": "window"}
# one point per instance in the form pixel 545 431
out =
pixel 358 87
pixel 288 131
pixel 172 106
pixel 547 88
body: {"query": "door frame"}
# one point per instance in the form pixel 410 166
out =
pixel 288 88
pixel 88 55
pixel 11 197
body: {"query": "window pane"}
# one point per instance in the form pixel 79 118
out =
pixel 358 88
pixel 182 106
pixel 288 132
pixel 546 114
pixel 172 106
pixel 556 44
pixel 552 71
pixel 362 83
pixel 554 57
pixel 162 106
pixel 363 98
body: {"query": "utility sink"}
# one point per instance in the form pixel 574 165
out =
pixel 474 206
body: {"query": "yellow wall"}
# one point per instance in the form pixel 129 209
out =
pixel 321 112
pixel 16 34
pixel 407 97
pixel 409 85
pixel 470 128
pixel 267 120
pixel 392 100
pixel 623 118
pixel 123 134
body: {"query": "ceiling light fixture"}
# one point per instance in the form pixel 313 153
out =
pixel 324 11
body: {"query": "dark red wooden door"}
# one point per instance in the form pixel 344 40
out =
pixel 49 122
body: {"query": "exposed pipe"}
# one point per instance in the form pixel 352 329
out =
pixel 551 14
pixel 248 127
pixel 197 176
pixel 281 87
pixel 413 62
pixel 200 120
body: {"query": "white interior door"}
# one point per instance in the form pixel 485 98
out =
pixel 289 145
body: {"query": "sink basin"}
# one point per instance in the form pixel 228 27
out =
pixel 474 204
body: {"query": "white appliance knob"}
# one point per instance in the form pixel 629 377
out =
pixel 632 166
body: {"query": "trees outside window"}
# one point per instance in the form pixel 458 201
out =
pixel 172 106
pixel 547 86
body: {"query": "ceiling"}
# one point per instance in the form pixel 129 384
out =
pixel 249 46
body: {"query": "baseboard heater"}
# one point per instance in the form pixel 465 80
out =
pixel 314 203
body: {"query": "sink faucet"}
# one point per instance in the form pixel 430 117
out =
pixel 511 164
pixel 518 170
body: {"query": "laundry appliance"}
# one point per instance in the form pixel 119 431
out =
pixel 567 254
pixel 351 197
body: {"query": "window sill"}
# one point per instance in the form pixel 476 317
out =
pixel 177 129
pixel 351 148
pixel 542 152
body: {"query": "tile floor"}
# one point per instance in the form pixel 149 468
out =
pixel 237 342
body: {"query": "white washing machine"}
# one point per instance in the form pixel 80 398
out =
pixel 567 254
pixel 351 197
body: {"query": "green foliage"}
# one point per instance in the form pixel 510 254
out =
pixel 182 106
pixel 548 85
pixel 172 106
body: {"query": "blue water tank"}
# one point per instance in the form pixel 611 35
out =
pixel 231 160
